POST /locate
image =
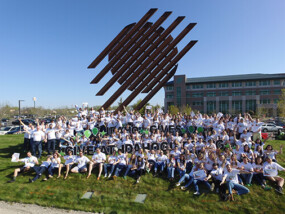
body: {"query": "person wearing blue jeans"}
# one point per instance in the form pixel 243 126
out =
pixel 111 164
pixel 41 169
pixel 246 166
pixel 121 163
pixel 230 177
pixel 171 165
pixel 200 177
pixel 160 163
pixel 186 177
pixel 37 135
pixel 131 162
pixel 37 146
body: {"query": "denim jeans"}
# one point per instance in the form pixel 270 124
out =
pixel 196 182
pixel 37 145
pixel 239 188
pixel 51 170
pixel 51 146
pixel 184 177
pixel 159 165
pixel 259 178
pixel 106 166
pixel 119 168
pixel 247 178
pixel 128 169
pixel 39 170
pixel 181 172
pixel 27 144
pixel 170 171
pixel 189 166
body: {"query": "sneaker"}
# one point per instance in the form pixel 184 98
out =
pixel 109 176
pixel 212 187
pixel 45 179
pixel 183 188
pixel 11 181
pixel 248 185
pixel 50 176
pixel 196 193
pixel 138 181
pixel 30 180
pixel 105 176
pixel 178 184
pixel 279 190
pixel 125 177
pixel 267 188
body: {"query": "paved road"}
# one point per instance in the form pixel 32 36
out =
pixel 17 208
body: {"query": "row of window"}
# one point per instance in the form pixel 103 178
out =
pixel 234 102
pixel 233 84
pixel 234 93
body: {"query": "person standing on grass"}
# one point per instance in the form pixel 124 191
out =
pixel 231 178
pixel 98 160
pixel 270 171
pixel 41 169
pixel 38 136
pixel 27 137
pixel 50 139
pixel 30 161
pixel 81 161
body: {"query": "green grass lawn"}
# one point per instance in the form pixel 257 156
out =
pixel 118 196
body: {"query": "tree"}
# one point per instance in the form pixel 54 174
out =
pixel 173 109
pixel 142 110
pixel 281 104
pixel 186 109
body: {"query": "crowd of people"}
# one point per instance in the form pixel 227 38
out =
pixel 223 153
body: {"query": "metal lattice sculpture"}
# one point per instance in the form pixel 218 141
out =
pixel 142 58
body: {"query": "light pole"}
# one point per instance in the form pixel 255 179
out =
pixel 34 99
pixel 20 112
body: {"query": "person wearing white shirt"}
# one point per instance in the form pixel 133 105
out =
pixel 98 160
pixel 231 178
pixel 111 164
pixel 27 136
pixel 82 161
pixel 256 129
pixel 55 163
pixel 200 176
pixel 121 163
pixel 270 171
pixel 246 166
pixel 41 169
pixel 160 162
pixel 50 138
pixel 30 161
pixel 217 175
pixel 69 161
pixel 38 136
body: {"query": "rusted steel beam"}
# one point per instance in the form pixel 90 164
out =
pixel 171 64
pixel 141 76
pixel 128 71
pixel 132 37
pixel 113 43
pixel 157 88
pixel 167 68
pixel 142 39
pixel 118 73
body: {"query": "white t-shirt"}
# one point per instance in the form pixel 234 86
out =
pixel 38 135
pixel 217 174
pixel 271 169
pixel 46 164
pixel 69 159
pixel 122 159
pixel 54 162
pixel 112 159
pixel 82 161
pixel 50 134
pixel 161 158
pixel 99 158
pixel 29 161
pixel 200 174
pixel 247 167
pixel 232 176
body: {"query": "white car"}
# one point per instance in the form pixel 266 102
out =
pixel 271 127
pixel 4 130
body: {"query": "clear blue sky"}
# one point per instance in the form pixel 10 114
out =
pixel 46 46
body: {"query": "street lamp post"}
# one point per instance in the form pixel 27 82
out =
pixel 20 112
pixel 34 99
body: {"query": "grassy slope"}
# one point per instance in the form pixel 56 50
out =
pixel 162 197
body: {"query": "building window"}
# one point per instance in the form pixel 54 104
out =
pixel 211 94
pixel 197 103
pixel 169 88
pixel 224 93
pixel 264 92
pixel 188 86
pixel 250 105
pixel 250 93
pixel 211 85
pixel 188 95
pixel 224 106
pixel 237 106
pixel 179 80
pixel 197 86
pixel 276 101
pixel 198 94
pixel 276 82
pixel 250 83
pixel 178 96
pixel 211 107
pixel 264 82
pixel 223 85
pixel 237 84
pixel 277 91
pixel 236 93
pixel 169 96
pixel 265 101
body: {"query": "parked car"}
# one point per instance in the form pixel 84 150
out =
pixel 271 127
pixel 4 130
pixel 15 130
pixel 4 122
pixel 25 121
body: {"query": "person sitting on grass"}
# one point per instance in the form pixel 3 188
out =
pixel 120 163
pixel 139 167
pixel 160 163
pixel 131 162
pixel 200 176
pixel 269 152
pixel 54 166
pixel 81 161
pixel 111 164
pixel 258 173
pixel 171 165
pixel 270 171
pixel 231 178
pixel 98 160
pixel 69 161
pixel 41 169
pixel 246 166
pixel 30 161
